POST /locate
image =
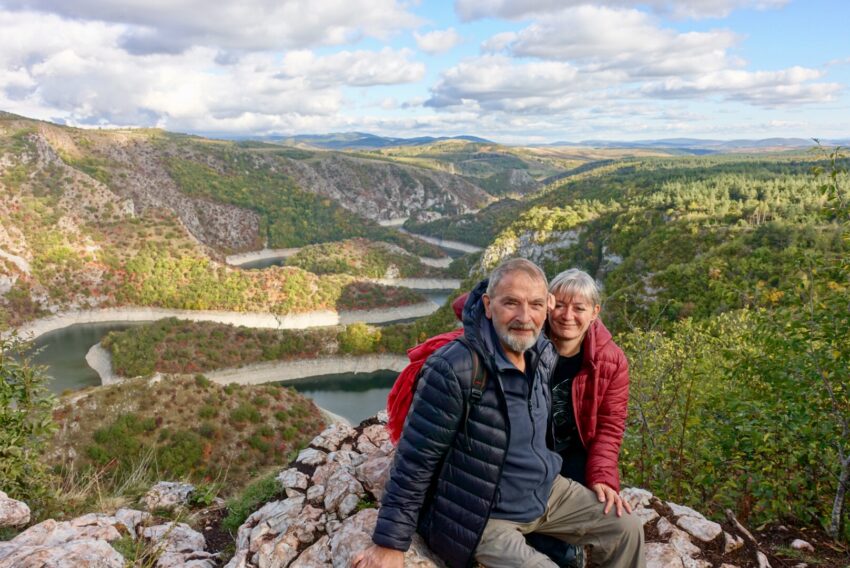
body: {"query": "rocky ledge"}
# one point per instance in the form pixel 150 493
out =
pixel 332 493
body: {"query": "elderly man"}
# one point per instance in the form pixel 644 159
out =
pixel 473 473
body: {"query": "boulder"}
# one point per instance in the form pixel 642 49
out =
pixel 168 495
pixel 13 513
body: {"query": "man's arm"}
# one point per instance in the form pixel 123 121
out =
pixel 431 426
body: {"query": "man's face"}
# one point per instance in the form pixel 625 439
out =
pixel 517 309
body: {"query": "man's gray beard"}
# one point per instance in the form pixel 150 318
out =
pixel 514 343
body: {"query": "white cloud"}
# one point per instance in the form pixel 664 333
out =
pixel 499 83
pixel 762 88
pixel 513 9
pixel 353 68
pixel 78 72
pixel 624 39
pixel 438 41
pixel 171 26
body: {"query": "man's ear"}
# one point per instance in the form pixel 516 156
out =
pixel 550 302
pixel 486 299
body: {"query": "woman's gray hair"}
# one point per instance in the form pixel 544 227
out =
pixel 574 282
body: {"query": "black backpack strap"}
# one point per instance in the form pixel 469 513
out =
pixel 476 387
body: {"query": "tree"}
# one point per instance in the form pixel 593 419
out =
pixel 26 422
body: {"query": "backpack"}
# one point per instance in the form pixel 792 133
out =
pixel 401 394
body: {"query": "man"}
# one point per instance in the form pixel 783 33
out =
pixel 474 485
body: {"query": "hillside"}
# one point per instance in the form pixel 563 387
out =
pixel 94 219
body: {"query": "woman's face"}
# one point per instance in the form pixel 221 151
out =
pixel 571 317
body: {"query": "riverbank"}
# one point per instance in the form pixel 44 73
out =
pixel 258 255
pixel 321 318
pixel 100 360
pixel 443 243
pixel 420 283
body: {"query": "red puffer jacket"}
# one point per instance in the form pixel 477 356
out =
pixel 601 399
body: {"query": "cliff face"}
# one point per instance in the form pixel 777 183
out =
pixel 381 190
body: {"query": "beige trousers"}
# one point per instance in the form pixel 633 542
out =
pixel 573 514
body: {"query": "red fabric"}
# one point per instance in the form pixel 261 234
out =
pixel 401 395
pixel 601 400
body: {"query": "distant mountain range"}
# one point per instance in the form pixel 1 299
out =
pixel 366 141
pixel 703 145
pixel 362 140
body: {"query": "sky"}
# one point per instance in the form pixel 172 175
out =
pixel 513 71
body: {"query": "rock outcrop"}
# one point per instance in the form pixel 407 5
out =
pixel 84 542
pixel 333 488
pixel 332 491
pixel 13 513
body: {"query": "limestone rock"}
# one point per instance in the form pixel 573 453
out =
pixel 702 529
pixel 660 555
pixel 731 543
pixel 52 533
pixel 316 494
pixel 636 497
pixel 311 456
pixel 168 495
pixel 80 553
pixel 175 537
pixel 645 514
pixel 293 479
pixel 332 437
pixel 316 556
pixel 340 485
pixel 132 520
pixel 13 513
pixel 800 544
pixel 373 474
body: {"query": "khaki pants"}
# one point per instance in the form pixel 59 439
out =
pixel 573 514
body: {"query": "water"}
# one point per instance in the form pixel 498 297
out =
pixel 63 352
pixel 355 396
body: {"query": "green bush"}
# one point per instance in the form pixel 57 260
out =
pixel 182 454
pixel 26 423
pixel 245 412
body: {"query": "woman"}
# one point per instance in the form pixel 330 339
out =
pixel 590 394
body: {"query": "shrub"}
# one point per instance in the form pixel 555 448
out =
pixel 245 413
pixel 25 423
pixel 202 381
pixel 182 454
pixel 207 411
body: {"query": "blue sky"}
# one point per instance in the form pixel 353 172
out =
pixel 509 70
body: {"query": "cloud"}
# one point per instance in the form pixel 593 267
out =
pixel 353 68
pixel 438 41
pixel 497 82
pixel 469 10
pixel 763 88
pixel 623 39
pixel 77 71
pixel 171 26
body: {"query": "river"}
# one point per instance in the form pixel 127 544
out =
pixel 354 396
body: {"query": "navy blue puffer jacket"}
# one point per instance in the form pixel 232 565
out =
pixel 444 477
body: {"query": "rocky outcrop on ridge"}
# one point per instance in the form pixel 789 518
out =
pixel 332 490
pixel 84 542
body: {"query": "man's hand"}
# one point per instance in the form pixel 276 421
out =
pixel 379 557
pixel 607 495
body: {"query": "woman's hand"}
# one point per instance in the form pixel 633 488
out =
pixel 607 495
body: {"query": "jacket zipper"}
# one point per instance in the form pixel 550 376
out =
pixel 534 384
